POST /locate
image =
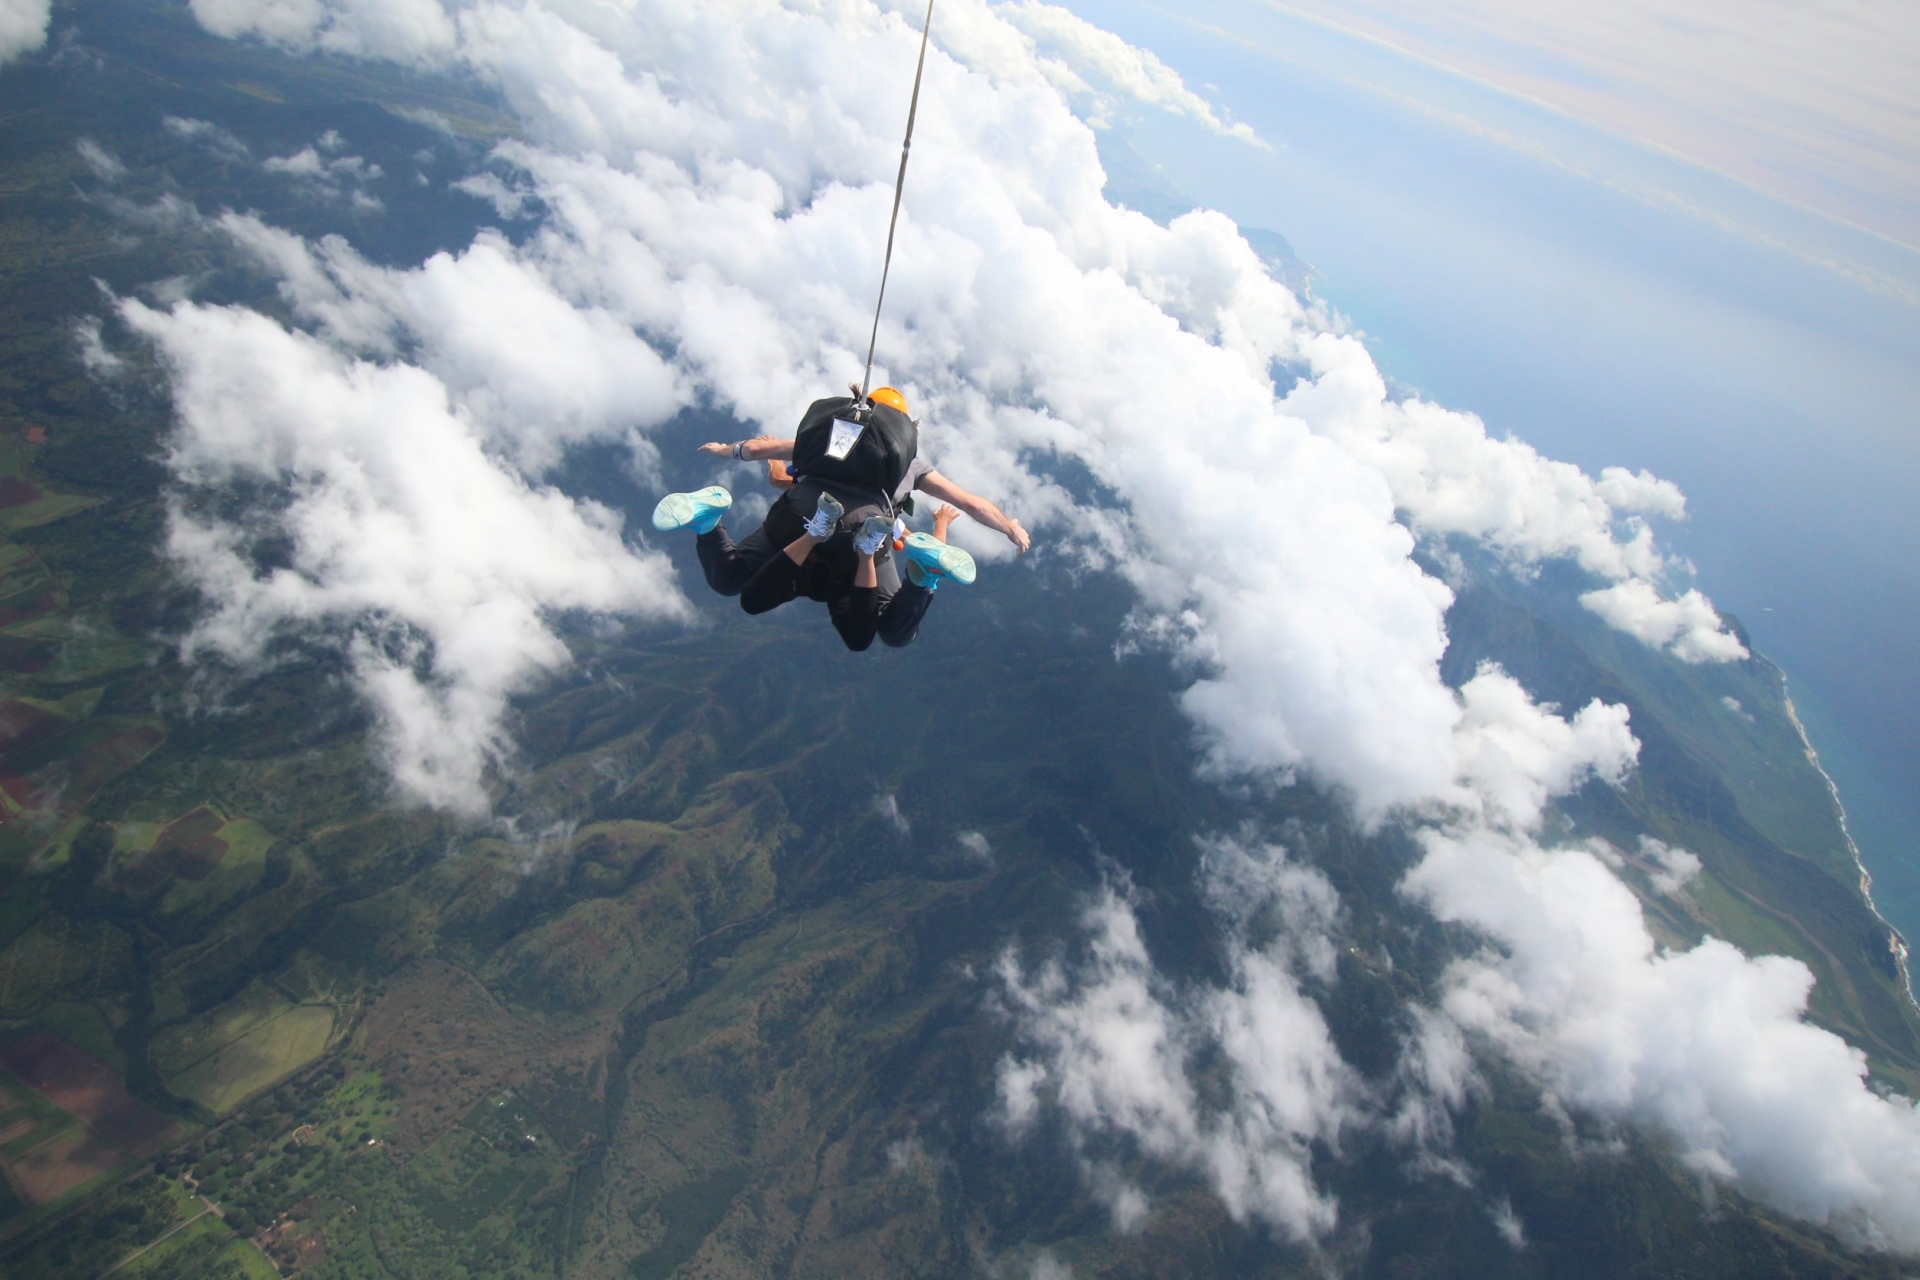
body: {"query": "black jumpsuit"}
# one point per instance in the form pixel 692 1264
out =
pixel 756 570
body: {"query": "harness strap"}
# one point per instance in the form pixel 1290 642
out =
pixel 899 185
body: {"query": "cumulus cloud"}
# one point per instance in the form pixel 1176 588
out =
pixel 404 29
pixel 1107 1041
pixel 1450 477
pixel 436 569
pixel 1688 626
pixel 1516 755
pixel 1707 1045
pixel 319 171
pixel 1084 59
pixel 1046 1266
pixel 23 26
pixel 536 368
pixel 206 133
pixel 1675 868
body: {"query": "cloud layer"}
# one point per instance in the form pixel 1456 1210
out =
pixel 434 565
pixel 1707 1045
pixel 1110 1044
pixel 734 223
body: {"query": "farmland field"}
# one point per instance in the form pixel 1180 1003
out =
pixel 232 1051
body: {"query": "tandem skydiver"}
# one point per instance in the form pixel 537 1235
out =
pixel 854 465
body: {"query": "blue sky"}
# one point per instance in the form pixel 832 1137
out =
pixel 1614 305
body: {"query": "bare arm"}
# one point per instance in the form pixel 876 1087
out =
pixel 938 486
pixel 758 449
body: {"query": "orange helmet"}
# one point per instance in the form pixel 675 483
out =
pixel 888 397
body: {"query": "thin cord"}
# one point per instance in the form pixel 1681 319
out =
pixel 899 185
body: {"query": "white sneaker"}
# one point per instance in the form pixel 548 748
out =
pixel 826 514
pixel 874 532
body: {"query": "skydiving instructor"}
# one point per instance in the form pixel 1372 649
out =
pixel 848 473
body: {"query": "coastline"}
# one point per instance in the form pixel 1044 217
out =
pixel 1895 941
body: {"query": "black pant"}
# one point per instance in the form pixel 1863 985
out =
pixel 758 571
pixel 729 564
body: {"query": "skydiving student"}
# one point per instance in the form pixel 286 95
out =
pixel 866 457
pixel 873 601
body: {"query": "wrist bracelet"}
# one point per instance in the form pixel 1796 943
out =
pixel 738 445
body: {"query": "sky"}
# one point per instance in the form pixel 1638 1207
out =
pixel 1614 305
pixel 701 198
pixel 1814 103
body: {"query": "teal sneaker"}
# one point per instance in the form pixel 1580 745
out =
pixel 699 512
pixel 934 557
pixel 921 578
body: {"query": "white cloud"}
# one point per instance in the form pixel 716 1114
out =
pixel 1084 59
pixel 407 30
pixel 1676 868
pixel 1108 1042
pixel 1516 755
pixel 1706 1044
pixel 978 848
pixel 536 369
pixel 220 141
pixel 329 176
pixel 1047 1267
pixel 1641 491
pixel 1507 1223
pixel 1688 627
pixel 105 165
pixel 887 805
pixel 1450 477
pixel 23 26
pixel 436 567
pixel 94 355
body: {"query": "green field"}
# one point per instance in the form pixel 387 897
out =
pixel 231 1052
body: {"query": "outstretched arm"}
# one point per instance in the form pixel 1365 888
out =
pixel 936 485
pixel 758 449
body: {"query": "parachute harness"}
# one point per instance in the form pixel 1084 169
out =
pixel 899 186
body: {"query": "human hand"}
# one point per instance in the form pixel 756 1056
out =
pixel 1018 536
pixel 717 449
pixel 942 517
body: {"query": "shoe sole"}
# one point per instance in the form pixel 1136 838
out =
pixel 935 556
pixel 678 510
